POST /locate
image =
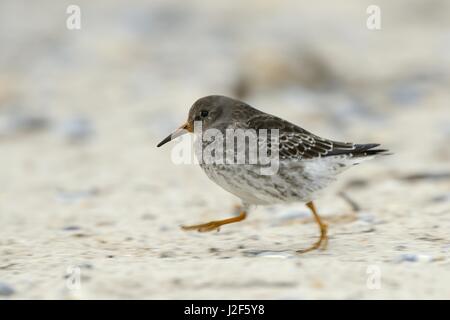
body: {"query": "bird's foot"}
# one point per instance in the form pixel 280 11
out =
pixel 321 243
pixel 204 227
pixel 215 225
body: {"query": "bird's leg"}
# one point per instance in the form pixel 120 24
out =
pixel 323 240
pixel 215 225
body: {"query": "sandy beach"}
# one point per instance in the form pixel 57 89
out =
pixel 91 209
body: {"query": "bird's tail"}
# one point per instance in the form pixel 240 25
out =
pixel 356 150
pixel 369 149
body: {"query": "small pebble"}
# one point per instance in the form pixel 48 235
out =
pixel 406 94
pixel 18 123
pixel 432 176
pixel 267 254
pixel 86 265
pixel 76 196
pixel 71 228
pixel 441 198
pixel 166 254
pixel 6 290
pixel 164 228
pixel 357 183
pixel 148 216
pixel 366 217
pixel 412 257
pixel 77 130
pixel 80 235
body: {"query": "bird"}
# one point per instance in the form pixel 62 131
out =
pixel 307 163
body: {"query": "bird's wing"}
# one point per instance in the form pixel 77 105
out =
pixel 298 143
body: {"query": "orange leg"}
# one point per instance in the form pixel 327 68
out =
pixel 215 225
pixel 323 240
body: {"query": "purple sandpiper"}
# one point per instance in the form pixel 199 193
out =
pixel 307 163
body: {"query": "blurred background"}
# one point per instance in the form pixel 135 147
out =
pixel 82 184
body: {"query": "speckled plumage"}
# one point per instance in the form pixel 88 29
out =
pixel 307 163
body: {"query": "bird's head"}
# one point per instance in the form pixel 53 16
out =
pixel 209 110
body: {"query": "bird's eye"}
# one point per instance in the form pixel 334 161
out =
pixel 204 113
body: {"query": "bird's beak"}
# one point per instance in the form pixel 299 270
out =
pixel 185 128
